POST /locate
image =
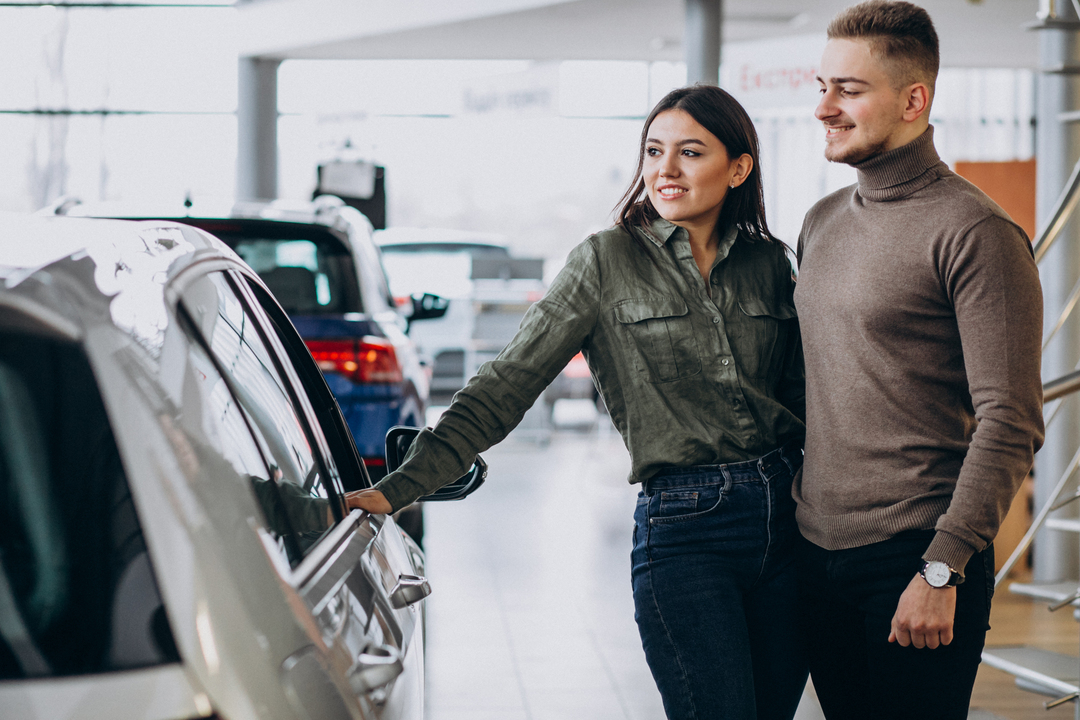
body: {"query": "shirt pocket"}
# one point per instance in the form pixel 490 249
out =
pixel 757 335
pixel 661 331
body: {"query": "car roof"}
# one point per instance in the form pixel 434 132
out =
pixel 440 240
pixel 84 265
pixel 326 211
pixel 321 211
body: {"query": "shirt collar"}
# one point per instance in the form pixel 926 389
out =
pixel 661 231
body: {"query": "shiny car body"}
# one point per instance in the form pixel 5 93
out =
pixel 322 265
pixel 173 541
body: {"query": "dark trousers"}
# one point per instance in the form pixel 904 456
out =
pixel 714 589
pixel 848 599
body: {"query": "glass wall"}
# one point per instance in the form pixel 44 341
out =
pixel 123 103
pixel 114 103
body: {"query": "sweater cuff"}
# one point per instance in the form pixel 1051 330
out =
pixel 397 491
pixel 950 550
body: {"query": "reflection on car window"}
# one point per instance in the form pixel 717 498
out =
pixel 305 277
pixel 227 429
pixel 376 283
pixel 290 486
pixel 77 589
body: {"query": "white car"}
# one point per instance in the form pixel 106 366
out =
pixel 489 292
pixel 173 541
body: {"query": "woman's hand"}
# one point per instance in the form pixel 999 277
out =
pixel 371 500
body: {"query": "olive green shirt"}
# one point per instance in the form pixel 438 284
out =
pixel 691 375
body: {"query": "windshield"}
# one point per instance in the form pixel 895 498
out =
pixel 445 274
pixel 306 268
pixel 474 249
pixel 77 590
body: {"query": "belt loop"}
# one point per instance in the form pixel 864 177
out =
pixel 761 468
pixel 727 479
pixel 784 457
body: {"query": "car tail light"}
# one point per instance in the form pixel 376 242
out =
pixel 577 367
pixel 368 360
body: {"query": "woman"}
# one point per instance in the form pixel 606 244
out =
pixel 683 310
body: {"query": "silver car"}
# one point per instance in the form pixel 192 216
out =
pixel 173 540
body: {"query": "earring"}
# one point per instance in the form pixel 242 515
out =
pixel 732 185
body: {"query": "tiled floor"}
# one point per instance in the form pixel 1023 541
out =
pixel 531 615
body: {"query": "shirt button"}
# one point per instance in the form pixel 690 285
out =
pixel 716 320
pixel 724 361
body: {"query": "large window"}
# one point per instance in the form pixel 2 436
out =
pixel 123 102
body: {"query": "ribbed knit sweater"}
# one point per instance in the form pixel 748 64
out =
pixel 921 315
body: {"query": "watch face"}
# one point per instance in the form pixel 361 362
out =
pixel 937 574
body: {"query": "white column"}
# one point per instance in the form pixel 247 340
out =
pixel 1057 147
pixel 701 41
pixel 256 119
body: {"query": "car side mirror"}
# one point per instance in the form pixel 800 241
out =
pixel 428 307
pixel 398 440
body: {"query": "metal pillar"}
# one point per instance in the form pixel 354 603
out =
pixel 1057 148
pixel 701 41
pixel 256 118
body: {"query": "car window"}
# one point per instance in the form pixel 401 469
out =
pixel 77 588
pixel 445 274
pixel 307 269
pixel 474 249
pixel 293 486
pixel 306 279
pixel 342 446
pixel 225 426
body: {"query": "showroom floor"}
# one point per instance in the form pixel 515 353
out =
pixel 531 615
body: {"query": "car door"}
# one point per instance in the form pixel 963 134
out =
pixel 386 581
pixel 345 568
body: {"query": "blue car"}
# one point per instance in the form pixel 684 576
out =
pixel 321 264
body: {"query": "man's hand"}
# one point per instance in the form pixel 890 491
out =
pixel 924 617
pixel 371 500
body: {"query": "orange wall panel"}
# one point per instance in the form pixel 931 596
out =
pixel 1010 184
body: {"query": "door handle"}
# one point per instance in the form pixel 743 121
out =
pixel 409 589
pixel 375 668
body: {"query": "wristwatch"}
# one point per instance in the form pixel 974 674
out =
pixel 939 575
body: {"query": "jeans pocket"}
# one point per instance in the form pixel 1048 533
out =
pixel 681 505
pixel 678 502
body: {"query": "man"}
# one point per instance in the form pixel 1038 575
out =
pixel 921 315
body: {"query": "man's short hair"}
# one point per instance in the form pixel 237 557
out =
pixel 899 33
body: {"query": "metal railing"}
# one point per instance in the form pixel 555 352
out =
pixel 1056 390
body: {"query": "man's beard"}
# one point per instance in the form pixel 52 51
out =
pixel 857 154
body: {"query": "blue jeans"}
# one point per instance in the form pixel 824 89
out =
pixel 714 589
pixel 848 599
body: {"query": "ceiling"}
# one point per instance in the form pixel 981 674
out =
pixel 979 33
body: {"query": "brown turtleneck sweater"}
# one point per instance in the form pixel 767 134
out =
pixel 921 315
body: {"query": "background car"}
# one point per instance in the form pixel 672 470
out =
pixel 489 290
pixel 173 540
pixel 320 262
